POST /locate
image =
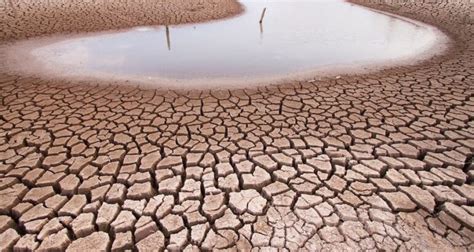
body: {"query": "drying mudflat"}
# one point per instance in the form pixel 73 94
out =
pixel 368 161
pixel 325 37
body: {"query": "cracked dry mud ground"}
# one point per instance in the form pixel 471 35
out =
pixel 24 18
pixel 381 161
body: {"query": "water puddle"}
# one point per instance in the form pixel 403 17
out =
pixel 296 39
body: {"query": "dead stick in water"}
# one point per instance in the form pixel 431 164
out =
pixel 168 42
pixel 263 15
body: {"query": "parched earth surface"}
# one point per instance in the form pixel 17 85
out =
pixel 21 19
pixel 381 161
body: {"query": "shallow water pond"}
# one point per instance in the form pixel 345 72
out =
pixel 296 37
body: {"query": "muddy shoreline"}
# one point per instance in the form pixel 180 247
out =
pixel 228 9
pixel 19 59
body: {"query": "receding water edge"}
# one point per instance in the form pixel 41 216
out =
pixel 21 57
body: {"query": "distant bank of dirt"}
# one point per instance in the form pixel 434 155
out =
pixel 21 19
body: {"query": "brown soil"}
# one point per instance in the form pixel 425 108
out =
pixel 24 18
pixel 381 161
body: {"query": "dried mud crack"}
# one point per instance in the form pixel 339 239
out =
pixel 368 162
pixel 22 19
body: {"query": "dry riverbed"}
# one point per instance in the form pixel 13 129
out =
pixel 365 162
